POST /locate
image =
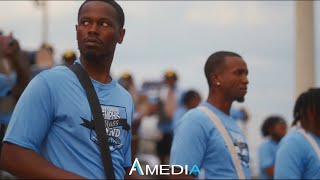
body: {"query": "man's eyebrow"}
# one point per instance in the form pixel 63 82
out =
pixel 242 70
pixel 105 19
pixel 245 70
pixel 84 17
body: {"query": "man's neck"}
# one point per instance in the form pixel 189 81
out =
pixel 275 139
pixel 220 103
pixel 97 70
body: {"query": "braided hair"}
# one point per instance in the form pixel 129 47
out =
pixel 309 100
pixel 188 96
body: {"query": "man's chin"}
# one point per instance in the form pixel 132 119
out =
pixel 93 56
pixel 240 99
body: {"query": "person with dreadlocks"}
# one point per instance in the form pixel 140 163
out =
pixel 273 129
pixel 298 156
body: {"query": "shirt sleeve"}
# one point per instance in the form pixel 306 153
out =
pixel 289 160
pixel 32 116
pixel 189 143
pixel 266 158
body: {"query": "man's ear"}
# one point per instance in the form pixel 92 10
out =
pixel 76 31
pixel 122 32
pixel 215 80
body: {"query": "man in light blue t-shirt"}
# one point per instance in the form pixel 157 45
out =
pixel 197 140
pixel 273 129
pixel 296 157
pixel 51 134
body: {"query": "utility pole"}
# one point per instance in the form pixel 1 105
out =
pixel 43 5
pixel 45 23
pixel 305 47
pixel 44 56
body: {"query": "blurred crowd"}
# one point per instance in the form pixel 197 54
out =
pixel 159 105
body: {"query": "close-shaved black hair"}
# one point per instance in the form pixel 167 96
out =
pixel 188 96
pixel 309 100
pixel 114 4
pixel 215 63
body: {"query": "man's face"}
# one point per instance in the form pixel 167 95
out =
pixel 98 30
pixel 279 130
pixel 233 78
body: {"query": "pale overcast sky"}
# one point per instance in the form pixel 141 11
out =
pixel 181 35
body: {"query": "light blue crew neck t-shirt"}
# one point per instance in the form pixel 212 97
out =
pixel 198 142
pixel 53 118
pixel 296 158
pixel 267 157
